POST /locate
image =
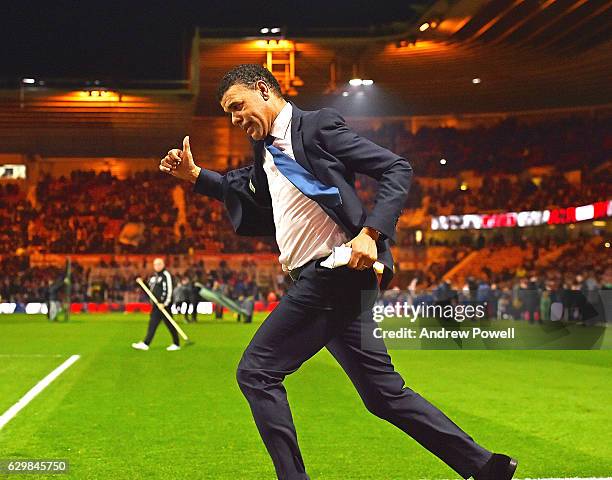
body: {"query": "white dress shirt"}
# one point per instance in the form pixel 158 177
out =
pixel 303 230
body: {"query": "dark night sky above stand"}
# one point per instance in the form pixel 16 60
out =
pixel 149 40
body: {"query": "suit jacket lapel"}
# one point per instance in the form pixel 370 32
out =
pixel 262 190
pixel 297 140
pixel 258 152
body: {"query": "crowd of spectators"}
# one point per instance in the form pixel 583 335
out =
pixel 577 282
pixel 519 194
pixel 89 212
pixel 21 282
pixel 210 228
pixel 15 214
pixel 509 146
pixel 86 211
pixel 507 192
pixel 576 276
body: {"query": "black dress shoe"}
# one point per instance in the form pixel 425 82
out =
pixel 499 467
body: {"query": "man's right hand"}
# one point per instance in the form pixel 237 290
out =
pixel 180 164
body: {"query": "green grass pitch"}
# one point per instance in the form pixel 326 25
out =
pixel 118 413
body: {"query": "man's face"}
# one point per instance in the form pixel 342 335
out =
pixel 249 109
pixel 158 264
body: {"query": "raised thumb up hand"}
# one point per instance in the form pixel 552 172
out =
pixel 180 164
pixel 186 155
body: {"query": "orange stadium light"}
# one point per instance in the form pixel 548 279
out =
pixel 411 45
pixel 449 26
pixel 262 44
pixel 99 95
pixel 81 98
pixel 271 44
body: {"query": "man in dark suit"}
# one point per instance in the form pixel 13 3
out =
pixel 301 189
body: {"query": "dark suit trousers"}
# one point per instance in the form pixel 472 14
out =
pixel 331 308
pixel 154 320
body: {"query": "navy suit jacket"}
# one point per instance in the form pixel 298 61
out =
pixel 324 145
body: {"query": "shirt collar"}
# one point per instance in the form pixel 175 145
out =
pixel 281 123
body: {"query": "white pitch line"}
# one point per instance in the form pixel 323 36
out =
pixel 35 390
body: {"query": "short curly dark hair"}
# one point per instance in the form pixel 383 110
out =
pixel 248 74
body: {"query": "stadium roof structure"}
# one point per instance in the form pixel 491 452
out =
pixel 97 119
pixel 559 26
pixel 445 58
pixel 466 56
